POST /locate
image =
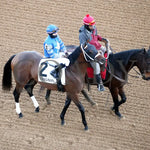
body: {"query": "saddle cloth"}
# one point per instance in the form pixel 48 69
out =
pixel 90 71
pixel 47 65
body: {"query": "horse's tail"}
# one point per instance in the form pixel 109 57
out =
pixel 7 75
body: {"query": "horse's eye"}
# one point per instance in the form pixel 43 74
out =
pixel 90 51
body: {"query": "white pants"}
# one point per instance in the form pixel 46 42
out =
pixel 96 65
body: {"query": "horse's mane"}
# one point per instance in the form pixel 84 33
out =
pixel 74 55
pixel 123 56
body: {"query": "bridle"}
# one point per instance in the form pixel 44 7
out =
pixel 139 75
pixel 113 75
pixel 85 54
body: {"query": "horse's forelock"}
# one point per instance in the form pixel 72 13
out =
pixel 91 48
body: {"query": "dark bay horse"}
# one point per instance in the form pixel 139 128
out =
pixel 24 66
pixel 119 65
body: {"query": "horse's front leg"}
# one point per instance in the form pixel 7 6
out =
pixel 81 109
pixel 122 95
pixel 115 108
pixel 62 115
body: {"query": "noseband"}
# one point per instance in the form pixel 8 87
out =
pixel 87 55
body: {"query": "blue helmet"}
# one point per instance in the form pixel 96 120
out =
pixel 52 29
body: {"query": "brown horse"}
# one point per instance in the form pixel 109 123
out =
pixel 24 66
pixel 119 65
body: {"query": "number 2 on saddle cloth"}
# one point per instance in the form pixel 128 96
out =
pixel 90 71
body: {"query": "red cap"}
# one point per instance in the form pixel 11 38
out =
pixel 88 20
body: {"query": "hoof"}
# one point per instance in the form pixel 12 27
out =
pixel 94 104
pixel 48 101
pixel 118 115
pixel 62 122
pixel 112 108
pixel 20 115
pixel 37 109
pixel 86 128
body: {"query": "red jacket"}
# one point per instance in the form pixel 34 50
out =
pixel 95 39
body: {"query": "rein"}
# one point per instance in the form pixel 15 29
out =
pixel 85 54
pixel 113 75
pixel 139 74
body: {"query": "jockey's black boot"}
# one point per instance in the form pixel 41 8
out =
pixel 99 81
pixel 60 87
pixel 55 72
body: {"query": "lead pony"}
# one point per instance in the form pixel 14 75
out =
pixel 24 66
pixel 119 65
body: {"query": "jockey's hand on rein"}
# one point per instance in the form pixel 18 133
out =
pixel 66 54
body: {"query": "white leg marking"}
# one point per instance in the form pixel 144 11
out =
pixel 18 110
pixel 34 102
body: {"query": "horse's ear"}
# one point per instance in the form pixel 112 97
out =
pixel 144 50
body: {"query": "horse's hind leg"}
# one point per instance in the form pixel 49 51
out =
pixel 87 97
pixel 62 115
pixel 29 88
pixel 16 94
pixel 47 96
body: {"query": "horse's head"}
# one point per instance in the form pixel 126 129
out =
pixel 91 54
pixel 143 63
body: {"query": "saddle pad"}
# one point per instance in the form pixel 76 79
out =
pixel 90 71
pixel 47 65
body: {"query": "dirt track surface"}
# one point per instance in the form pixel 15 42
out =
pixel 22 25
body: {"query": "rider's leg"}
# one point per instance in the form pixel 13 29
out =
pixel 57 69
pixel 97 70
pixel 56 73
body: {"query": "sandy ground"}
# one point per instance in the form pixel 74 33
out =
pixel 22 27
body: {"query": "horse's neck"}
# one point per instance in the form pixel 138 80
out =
pixel 129 66
pixel 81 65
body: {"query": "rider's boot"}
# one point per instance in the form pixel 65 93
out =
pixel 99 81
pixel 55 72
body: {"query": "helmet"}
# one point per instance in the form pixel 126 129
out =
pixel 88 20
pixel 52 29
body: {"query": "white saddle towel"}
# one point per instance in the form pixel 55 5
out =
pixel 47 65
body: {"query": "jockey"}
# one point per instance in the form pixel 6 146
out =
pixel 53 45
pixel 88 34
pixel 54 48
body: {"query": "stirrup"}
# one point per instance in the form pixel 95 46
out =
pixel 100 87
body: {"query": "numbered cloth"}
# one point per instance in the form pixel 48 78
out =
pixel 47 65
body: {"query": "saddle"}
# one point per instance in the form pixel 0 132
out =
pixel 53 71
pixel 90 72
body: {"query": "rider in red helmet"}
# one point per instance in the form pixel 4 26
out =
pixel 88 34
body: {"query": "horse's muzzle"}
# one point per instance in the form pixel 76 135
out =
pixel 146 76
